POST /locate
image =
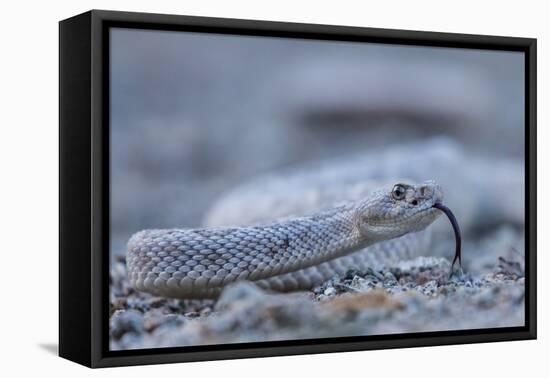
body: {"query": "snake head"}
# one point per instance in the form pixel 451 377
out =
pixel 398 210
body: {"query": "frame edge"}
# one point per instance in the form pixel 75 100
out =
pixel 75 335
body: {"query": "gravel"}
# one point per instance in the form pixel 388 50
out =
pixel 412 296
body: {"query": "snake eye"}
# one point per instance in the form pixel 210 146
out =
pixel 398 192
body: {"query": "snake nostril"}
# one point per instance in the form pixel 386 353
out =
pixel 426 192
pixel 414 202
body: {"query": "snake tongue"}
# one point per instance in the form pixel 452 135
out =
pixel 458 238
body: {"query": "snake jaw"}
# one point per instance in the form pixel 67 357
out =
pixel 458 238
pixel 387 215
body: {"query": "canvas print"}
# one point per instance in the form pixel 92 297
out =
pixel 267 189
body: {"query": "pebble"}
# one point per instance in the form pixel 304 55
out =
pixel 388 276
pixel 192 314
pixel 125 321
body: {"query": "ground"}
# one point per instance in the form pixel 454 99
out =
pixel 413 296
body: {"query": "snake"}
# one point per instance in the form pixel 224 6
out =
pixel 294 253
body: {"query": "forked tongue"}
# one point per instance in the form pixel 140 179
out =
pixel 458 238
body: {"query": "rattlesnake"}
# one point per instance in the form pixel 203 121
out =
pixel 288 254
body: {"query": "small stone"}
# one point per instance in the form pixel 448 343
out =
pixel 123 322
pixel 192 314
pixel 118 304
pixel 157 302
pixel 422 279
pixel 240 291
pixel 375 273
pixel 351 273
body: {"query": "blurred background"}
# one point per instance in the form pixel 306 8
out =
pixel 194 115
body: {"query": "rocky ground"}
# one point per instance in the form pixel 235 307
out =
pixel 413 296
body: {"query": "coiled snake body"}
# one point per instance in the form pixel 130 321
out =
pixel 291 254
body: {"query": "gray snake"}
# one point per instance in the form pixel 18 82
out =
pixel 288 254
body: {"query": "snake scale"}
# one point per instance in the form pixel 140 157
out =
pixel 288 254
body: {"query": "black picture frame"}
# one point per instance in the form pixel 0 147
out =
pixel 84 187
